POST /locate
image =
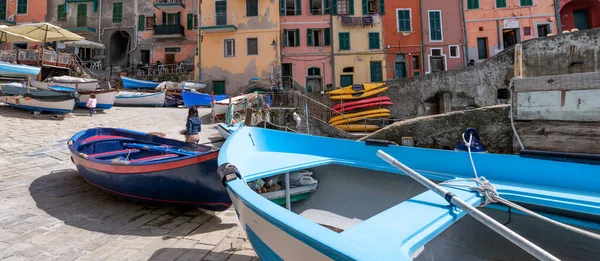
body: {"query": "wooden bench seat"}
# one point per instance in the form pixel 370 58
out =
pixel 113 153
pixel 154 158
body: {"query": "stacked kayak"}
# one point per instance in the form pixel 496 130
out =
pixel 359 104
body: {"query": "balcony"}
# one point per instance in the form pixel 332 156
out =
pixel 36 56
pixel 170 5
pixel 163 31
pixel 7 19
pixel 222 22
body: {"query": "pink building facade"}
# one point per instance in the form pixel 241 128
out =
pixel 306 45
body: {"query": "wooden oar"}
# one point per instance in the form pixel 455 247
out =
pixel 151 147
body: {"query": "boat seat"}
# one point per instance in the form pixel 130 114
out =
pixel 330 220
pixel 113 153
pixel 103 138
pixel 154 158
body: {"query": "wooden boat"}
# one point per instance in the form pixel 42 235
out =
pixel 397 218
pixel 125 98
pixel 360 95
pixel 363 106
pixel 37 100
pixel 358 114
pixel 358 127
pixel 193 85
pixel 73 82
pixel 105 99
pixel 226 129
pixel 356 88
pixel 240 103
pixel 363 117
pixel 18 70
pixel 131 83
pixel 143 167
pixel 191 99
pixel 342 106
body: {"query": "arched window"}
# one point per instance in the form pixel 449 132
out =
pixel 314 71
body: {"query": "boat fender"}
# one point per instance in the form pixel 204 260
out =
pixel 228 172
pixel 83 155
pixel 375 142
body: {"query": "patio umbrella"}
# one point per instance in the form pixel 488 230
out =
pixel 85 44
pixel 12 37
pixel 44 32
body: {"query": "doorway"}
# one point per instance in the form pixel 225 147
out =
pixel 314 80
pixel 119 48
pixel 400 69
pixel 582 21
pixel 287 77
pixel 219 87
pixel 169 58
pixel 376 72
pixel 145 56
pixel 510 37
pixel 221 12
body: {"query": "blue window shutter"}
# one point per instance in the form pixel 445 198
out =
pixel 350 7
pixel 309 37
pixel 365 7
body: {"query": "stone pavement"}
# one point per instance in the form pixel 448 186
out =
pixel 48 212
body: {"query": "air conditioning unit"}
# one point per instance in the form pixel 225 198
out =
pixel 11 18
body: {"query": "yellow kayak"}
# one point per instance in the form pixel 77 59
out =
pixel 355 119
pixel 357 114
pixel 358 127
pixel 357 96
pixel 357 88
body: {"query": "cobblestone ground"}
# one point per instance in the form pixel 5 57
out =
pixel 48 212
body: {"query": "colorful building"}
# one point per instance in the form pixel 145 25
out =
pixel 580 14
pixel 498 24
pixel 13 12
pixel 402 38
pixel 306 44
pixel 240 45
pixel 358 49
pixel 443 35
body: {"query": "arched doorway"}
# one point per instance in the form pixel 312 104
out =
pixel 580 14
pixel 120 44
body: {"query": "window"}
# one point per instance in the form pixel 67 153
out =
pixel 192 21
pixel 435 26
pixel 81 15
pixel 252 46
pixel 500 3
pixel 543 30
pixel 454 51
pixel 62 15
pixel 290 7
pixel 527 30
pixel 437 61
pixel 172 49
pixel 291 38
pixel 526 2
pixel 376 72
pixel 344 39
pixel 316 7
pixel 22 6
pixel 416 62
pixel 150 21
pixel 230 48
pixel 472 4
pixel 345 7
pixel 372 7
pixel 348 70
pixel 436 52
pixel 117 16
pixel 318 37
pixel 482 48
pixel 251 8
pixel 171 18
pixel 314 71
pixel 374 41
pixel 403 18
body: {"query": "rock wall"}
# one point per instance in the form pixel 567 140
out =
pixel 282 117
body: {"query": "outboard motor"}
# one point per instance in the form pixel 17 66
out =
pixel 470 138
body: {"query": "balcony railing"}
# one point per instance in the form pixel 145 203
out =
pixel 219 22
pixel 168 30
pixel 35 57
pixel 169 5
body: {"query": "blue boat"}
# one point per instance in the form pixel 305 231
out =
pixel 227 129
pixel 144 167
pixel 191 99
pixel 18 70
pixel 361 208
pixel 130 83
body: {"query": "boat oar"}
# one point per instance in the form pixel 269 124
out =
pixel 518 240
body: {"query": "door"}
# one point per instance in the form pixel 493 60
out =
pixel 3 10
pixel 400 69
pixel 376 72
pixel 169 58
pixel 509 37
pixel 221 12
pixel 286 74
pixel 82 15
pixel 482 48
pixel 145 56
pixel 437 63
pixel 346 80
pixel 219 87
pixel 581 19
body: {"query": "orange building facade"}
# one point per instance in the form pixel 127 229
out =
pixel 402 38
pixel 13 12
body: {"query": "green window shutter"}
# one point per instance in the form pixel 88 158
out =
pixel 500 3
pixel 61 15
pixel 141 23
pixel 327 8
pixel 404 21
pixel 285 37
pixel 299 7
pixel 350 7
pixel 435 26
pixel 82 15
pixel 21 6
pixel 365 7
pixel 374 41
pixel 526 2
pixel 327 35
pixel 117 12
pixel 282 7
pixel 334 7
pixel 164 18
pixel 190 22
pixel 309 37
pixel 297 37
pixel 472 4
pixel 178 18
pixel 381 7
pixel 344 39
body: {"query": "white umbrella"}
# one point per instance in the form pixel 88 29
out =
pixel 12 37
pixel 44 32
pixel 85 44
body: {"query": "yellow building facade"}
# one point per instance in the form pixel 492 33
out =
pixel 240 45
pixel 358 42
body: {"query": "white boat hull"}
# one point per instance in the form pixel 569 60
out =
pixel 85 86
pixel 220 107
pixel 140 99
pixel 104 101
pixel 30 104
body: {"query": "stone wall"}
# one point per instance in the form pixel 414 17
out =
pixel 283 118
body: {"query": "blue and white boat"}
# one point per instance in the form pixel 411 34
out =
pixel 152 99
pixel 18 70
pixel 130 83
pixel 362 208
pixel 191 99
pixel 227 129
pixel 18 96
pixel 105 99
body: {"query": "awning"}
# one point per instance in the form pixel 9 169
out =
pixel 85 44
pixel 12 37
pixel 44 32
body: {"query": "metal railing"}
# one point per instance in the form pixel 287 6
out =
pixel 217 19
pixel 35 57
pixel 166 29
pixel 182 2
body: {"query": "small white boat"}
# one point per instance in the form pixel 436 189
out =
pixel 74 82
pixel 226 130
pixel 125 98
pixel 38 105
pixel 104 100
pixel 193 85
pixel 240 103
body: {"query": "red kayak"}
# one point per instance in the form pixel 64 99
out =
pixel 341 106
pixel 363 106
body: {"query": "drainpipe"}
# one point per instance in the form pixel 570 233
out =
pixel 422 39
pixel 332 48
pixel 135 31
pixel 499 34
pixel 462 13
pixel 199 65
pixel 99 21
pixel 557 13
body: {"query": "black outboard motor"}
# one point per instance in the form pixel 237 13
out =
pixel 470 138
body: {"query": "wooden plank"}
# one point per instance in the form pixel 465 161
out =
pixel 518 60
pixel 582 137
pixel 578 105
pixel 567 82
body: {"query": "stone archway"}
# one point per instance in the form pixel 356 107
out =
pixel 120 44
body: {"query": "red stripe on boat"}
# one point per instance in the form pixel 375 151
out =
pixel 153 199
pixel 103 137
pixel 141 169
